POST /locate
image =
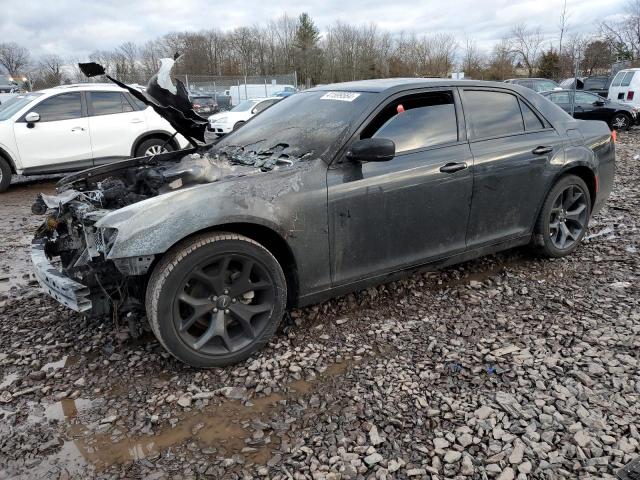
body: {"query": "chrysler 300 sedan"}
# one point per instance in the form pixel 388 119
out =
pixel 336 189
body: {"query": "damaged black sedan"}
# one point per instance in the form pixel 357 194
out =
pixel 331 190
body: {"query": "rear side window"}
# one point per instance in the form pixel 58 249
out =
pixel 626 80
pixel 416 121
pixel 492 114
pixel 65 106
pixel 617 79
pixel 531 120
pixel 108 103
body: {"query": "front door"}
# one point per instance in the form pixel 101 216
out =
pixel 384 216
pixel 512 146
pixel 59 140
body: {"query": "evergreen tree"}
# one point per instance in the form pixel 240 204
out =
pixel 307 58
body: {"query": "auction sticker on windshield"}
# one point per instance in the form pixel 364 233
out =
pixel 342 96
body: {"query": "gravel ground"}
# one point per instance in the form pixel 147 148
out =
pixel 505 367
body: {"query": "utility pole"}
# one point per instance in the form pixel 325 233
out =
pixel 575 85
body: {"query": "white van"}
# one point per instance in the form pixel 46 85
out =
pixel 625 87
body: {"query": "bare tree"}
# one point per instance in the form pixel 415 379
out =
pixel 624 35
pixel 472 60
pixel 527 45
pixel 14 58
pixel 50 71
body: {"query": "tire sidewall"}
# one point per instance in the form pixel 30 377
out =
pixel 5 171
pixel 560 185
pixel 166 328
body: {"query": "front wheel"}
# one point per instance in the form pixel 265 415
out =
pixel 564 217
pixel 215 299
pixel 5 175
pixel 620 121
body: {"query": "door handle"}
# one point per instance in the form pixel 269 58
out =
pixel 136 120
pixel 77 129
pixel 542 150
pixel 453 167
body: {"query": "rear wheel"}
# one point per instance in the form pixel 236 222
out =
pixel 216 299
pixel 5 175
pixel 620 121
pixel 153 146
pixel 564 217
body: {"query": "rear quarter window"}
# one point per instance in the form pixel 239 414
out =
pixel 626 80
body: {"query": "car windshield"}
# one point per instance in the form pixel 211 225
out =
pixel 9 107
pixel 244 106
pixel 308 123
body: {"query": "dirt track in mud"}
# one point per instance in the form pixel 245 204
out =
pixel 505 367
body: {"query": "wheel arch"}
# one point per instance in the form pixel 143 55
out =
pixel 268 238
pixel 160 134
pixel 586 173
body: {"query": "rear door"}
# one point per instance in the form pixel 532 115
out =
pixel 114 125
pixel 388 215
pixel 512 146
pixel 60 139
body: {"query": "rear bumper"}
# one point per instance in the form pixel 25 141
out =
pixel 65 290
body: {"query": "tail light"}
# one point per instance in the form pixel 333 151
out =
pixel 614 135
pixel 629 95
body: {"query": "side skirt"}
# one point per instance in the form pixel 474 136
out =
pixel 317 297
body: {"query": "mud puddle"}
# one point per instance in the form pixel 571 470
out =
pixel 224 429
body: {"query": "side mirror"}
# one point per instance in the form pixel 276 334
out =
pixel 372 150
pixel 599 103
pixel 31 118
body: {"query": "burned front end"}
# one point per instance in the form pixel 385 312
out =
pixel 70 251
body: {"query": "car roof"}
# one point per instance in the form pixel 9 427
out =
pixel 392 84
pixel 107 87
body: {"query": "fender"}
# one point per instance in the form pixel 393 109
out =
pixel 5 154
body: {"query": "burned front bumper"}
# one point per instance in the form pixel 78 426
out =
pixel 65 290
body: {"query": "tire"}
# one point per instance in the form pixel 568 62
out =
pixel 147 147
pixel 567 208
pixel 188 278
pixel 620 121
pixel 238 125
pixel 5 175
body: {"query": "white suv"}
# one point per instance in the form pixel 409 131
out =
pixel 73 127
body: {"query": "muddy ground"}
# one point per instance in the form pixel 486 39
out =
pixel 505 367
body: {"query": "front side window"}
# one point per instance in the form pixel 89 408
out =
pixel 582 97
pixel 492 114
pixel 107 103
pixel 416 121
pixel 65 106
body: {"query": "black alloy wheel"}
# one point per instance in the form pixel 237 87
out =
pixel 568 218
pixel 215 299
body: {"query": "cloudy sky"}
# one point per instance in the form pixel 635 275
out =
pixel 74 28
